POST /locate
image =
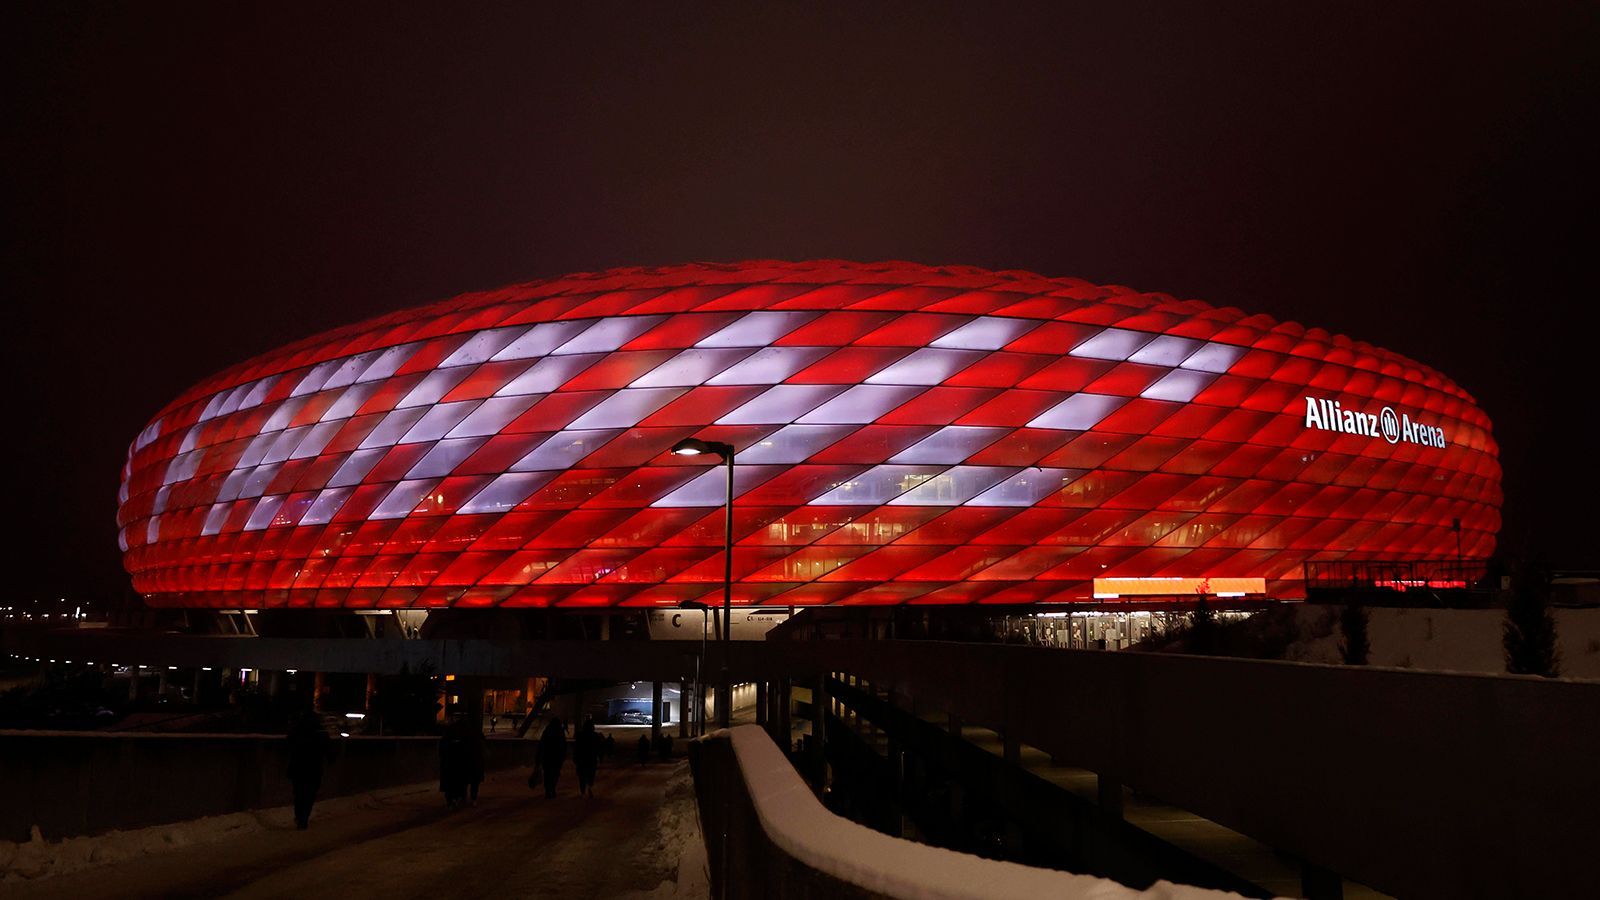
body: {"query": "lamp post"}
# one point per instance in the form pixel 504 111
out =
pixel 699 667
pixel 697 447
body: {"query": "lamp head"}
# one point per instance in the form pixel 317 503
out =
pixel 697 447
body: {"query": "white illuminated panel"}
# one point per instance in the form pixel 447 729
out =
pixel 316 440
pixel 433 387
pixel 927 366
pixel 691 367
pixel 626 407
pixel 1113 343
pixel 781 404
pixel 444 457
pixel 389 362
pixel 710 487
pixel 481 346
pixel 265 509
pixel 1181 385
pixel 541 339
pixel 1214 358
pixel 757 329
pixel 1167 350
pixel 393 426
pixel 350 368
pixel 495 414
pixel 438 421
pixel 356 466
pixel 608 334
pixel 770 365
pixel 986 333
pixel 326 505
pixel 860 404
pixel 548 374
pixel 1080 412
pixel 350 401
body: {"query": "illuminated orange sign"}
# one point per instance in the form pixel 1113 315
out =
pixel 1111 588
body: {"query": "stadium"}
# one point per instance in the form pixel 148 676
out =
pixel 902 434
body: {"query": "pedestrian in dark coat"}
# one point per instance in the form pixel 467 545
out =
pixel 586 757
pixel 644 749
pixel 308 749
pixel 453 764
pixel 611 746
pixel 552 754
pixel 477 747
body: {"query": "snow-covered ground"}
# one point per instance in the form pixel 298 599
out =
pixel 1454 640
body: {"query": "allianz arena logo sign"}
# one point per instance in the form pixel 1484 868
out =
pixel 1328 415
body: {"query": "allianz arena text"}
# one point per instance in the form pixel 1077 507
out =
pixel 905 434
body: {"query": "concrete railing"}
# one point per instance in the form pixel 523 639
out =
pixel 1419 784
pixel 71 784
pixel 778 841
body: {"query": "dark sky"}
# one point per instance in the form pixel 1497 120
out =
pixel 187 185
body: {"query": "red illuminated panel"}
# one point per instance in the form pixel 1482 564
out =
pixel 904 434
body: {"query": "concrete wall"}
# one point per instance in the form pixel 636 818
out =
pixel 73 784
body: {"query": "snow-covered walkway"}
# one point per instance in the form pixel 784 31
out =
pixel 638 837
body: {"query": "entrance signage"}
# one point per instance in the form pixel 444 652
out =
pixel 1329 415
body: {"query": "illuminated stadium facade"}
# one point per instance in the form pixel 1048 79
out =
pixel 905 435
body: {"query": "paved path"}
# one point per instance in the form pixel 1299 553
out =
pixel 631 839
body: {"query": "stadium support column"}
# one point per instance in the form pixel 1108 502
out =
pixel 655 713
pixel 684 692
pixel 761 701
pixel 819 731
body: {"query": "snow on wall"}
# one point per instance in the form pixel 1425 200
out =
pixel 800 826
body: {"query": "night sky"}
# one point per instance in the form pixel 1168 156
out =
pixel 187 186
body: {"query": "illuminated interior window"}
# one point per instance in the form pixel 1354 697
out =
pixel 403 499
pixel 953 486
pixel 877 485
pixel 949 445
pixel 1025 488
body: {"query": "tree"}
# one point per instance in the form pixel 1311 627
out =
pixel 1353 622
pixel 1530 628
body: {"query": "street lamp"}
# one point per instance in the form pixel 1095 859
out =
pixel 699 666
pixel 697 447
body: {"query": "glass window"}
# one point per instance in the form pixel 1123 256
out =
pixel 1080 412
pixel 949 445
pixel 1113 343
pixel 444 457
pixel 986 333
pixel 710 487
pixel 505 492
pixel 1025 488
pixel 877 485
pixel 327 503
pixel 792 443
pixel 356 466
pixel 953 486
pixel 261 516
pixel 563 449
pixel 403 499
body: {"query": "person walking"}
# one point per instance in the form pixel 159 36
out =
pixel 308 749
pixel 586 757
pixel 552 754
pixel 477 751
pixel 453 764
pixel 644 749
